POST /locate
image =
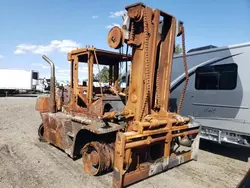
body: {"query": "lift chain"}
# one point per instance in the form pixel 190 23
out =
pixel 186 71
pixel 146 59
pixel 158 98
pixel 132 32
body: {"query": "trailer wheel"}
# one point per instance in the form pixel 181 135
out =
pixel 41 133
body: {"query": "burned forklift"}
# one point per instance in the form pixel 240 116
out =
pixel 136 138
pixel 71 122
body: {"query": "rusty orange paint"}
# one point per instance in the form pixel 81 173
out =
pixel 43 104
pixel 137 138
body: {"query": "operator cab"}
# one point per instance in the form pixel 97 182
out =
pixel 94 94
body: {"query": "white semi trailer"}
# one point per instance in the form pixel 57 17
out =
pixel 16 80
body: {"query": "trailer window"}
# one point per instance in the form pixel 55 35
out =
pixel 217 77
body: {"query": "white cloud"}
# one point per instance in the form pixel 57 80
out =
pixel 1 56
pixel 62 73
pixel 83 69
pixel 114 24
pixel 62 76
pixel 42 65
pixel 18 51
pixel 63 70
pixel 55 45
pixel 94 17
pixel 117 14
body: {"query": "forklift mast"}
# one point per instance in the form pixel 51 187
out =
pixel 151 34
pixel 154 139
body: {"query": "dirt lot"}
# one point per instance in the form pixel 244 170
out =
pixel 26 162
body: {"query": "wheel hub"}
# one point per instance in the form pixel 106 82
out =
pixel 94 157
pixel 97 157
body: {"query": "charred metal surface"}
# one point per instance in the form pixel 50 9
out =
pixel 99 127
pixel 54 129
pixel 115 37
pixel 96 107
pixel 82 120
pixel 61 130
pixel 156 139
pixel 138 139
pixel 43 104
pixel 112 103
pixel 147 169
pixel 104 56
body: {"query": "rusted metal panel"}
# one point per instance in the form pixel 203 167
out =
pixel 100 127
pixel 75 78
pixel 53 122
pixel 62 96
pixel 142 173
pixel 166 58
pixel 55 130
pixel 146 169
pixel 90 77
pixel 105 57
pixel 96 107
pixel 42 104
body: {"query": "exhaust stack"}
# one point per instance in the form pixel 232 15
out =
pixel 52 84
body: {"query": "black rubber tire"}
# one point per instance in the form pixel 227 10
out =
pixel 41 133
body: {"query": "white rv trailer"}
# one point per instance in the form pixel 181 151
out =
pixel 217 95
pixel 16 79
pixel 218 92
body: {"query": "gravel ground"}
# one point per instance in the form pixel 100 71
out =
pixel 26 162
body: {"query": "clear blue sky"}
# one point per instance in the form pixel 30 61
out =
pixel 29 28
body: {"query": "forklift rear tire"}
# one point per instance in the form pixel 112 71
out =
pixel 41 133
